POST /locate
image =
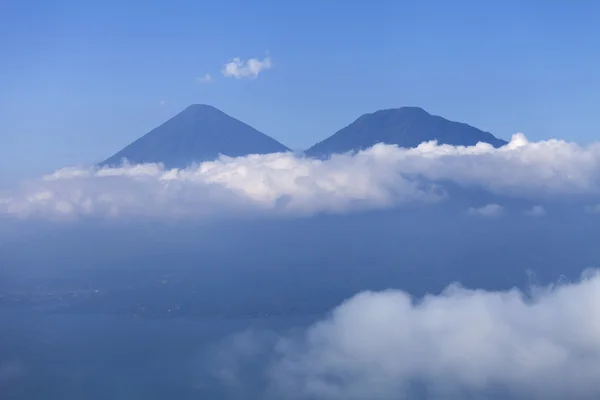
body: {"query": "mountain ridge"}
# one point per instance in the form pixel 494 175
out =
pixel 405 126
pixel 202 133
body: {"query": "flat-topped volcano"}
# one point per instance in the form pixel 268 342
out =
pixel 405 127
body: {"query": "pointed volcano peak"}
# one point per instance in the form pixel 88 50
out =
pixel 201 109
pixel 198 133
pixel 200 106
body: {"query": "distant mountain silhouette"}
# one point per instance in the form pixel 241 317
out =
pixel 198 133
pixel 405 127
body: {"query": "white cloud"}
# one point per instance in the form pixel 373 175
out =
pixel 206 78
pixel 536 211
pixel 523 168
pixel 275 182
pixel 162 102
pixel 382 176
pixel 490 210
pixel 238 68
pixel 460 343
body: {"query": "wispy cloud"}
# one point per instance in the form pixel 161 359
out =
pixel 162 103
pixel 490 210
pixel 379 177
pixel 536 211
pixel 206 78
pixel 593 208
pixel 238 68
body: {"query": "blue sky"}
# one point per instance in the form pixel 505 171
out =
pixel 79 80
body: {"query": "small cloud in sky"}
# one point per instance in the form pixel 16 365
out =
pixel 206 78
pixel 238 68
pixel 490 210
pixel 593 209
pixel 162 102
pixel 536 211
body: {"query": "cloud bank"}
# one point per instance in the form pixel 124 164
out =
pixel 460 343
pixel 252 68
pixel 382 176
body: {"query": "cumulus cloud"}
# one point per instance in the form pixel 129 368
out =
pixel 523 168
pixel 206 78
pixel 238 68
pixel 275 182
pixel 386 345
pixel 490 210
pixel 382 176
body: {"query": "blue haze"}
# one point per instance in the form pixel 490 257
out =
pixel 141 306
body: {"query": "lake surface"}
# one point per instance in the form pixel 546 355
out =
pixel 120 357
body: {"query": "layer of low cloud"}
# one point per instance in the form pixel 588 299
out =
pixel 251 68
pixel 379 177
pixel 386 345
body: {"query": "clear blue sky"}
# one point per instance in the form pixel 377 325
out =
pixel 81 79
